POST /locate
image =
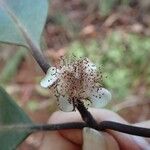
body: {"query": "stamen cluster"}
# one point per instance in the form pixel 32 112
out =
pixel 78 80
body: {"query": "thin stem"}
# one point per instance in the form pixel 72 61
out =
pixel 42 127
pixel 62 126
pixel 38 56
pixel 128 129
pixel 102 126
pixel 86 115
pixel 36 52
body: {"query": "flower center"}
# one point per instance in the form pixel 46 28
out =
pixel 77 79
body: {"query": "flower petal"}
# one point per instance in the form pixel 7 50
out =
pixel 64 104
pixel 99 97
pixel 50 77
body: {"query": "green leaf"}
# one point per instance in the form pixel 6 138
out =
pixel 22 21
pixel 11 114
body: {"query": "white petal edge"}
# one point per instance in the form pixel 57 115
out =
pixel 64 104
pixel 50 77
pixel 100 97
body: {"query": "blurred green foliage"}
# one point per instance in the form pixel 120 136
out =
pixel 124 59
pixel 106 6
pixel 33 105
pixel 11 67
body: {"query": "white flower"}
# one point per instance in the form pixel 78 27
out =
pixel 78 80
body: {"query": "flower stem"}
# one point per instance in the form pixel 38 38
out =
pixel 86 115
pixel 102 126
pixel 128 129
